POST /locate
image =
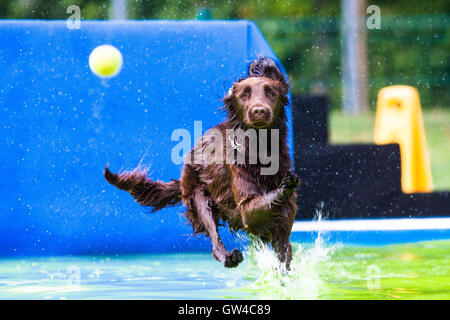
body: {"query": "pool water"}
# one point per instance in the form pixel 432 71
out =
pixel 319 271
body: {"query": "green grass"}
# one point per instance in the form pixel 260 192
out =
pixel 359 129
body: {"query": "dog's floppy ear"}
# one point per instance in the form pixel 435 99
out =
pixel 229 98
pixel 266 67
pixel 230 102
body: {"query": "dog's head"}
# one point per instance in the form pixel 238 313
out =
pixel 259 99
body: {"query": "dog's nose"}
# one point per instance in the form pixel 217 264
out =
pixel 259 111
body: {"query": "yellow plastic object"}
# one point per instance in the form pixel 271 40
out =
pixel 399 120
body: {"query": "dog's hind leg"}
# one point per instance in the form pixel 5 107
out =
pixel 203 207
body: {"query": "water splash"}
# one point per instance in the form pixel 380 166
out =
pixel 270 279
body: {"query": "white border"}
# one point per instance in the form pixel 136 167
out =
pixel 373 224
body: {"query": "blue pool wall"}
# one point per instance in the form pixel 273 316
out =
pixel 370 237
pixel 60 125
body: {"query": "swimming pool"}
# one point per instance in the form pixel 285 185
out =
pixel 332 260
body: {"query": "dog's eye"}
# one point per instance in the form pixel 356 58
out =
pixel 245 95
pixel 270 93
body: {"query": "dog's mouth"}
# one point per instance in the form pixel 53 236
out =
pixel 259 116
pixel 260 124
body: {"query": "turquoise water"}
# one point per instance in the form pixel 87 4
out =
pixel 319 271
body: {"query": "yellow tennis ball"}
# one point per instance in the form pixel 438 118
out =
pixel 105 61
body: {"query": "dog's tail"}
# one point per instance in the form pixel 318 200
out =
pixel 144 190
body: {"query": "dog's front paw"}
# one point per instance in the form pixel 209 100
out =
pixel 290 182
pixel 233 259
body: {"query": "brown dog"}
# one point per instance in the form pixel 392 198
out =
pixel 221 187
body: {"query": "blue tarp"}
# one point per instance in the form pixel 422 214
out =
pixel 60 125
